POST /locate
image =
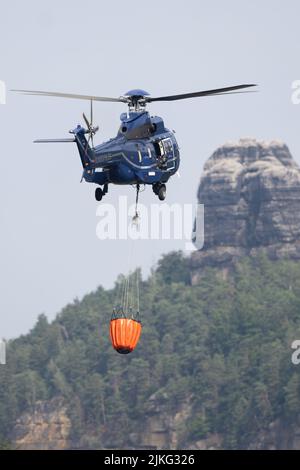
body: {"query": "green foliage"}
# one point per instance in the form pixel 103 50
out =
pixel 174 267
pixel 197 427
pixel 222 347
pixel 5 445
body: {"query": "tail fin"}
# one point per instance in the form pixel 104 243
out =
pixel 87 154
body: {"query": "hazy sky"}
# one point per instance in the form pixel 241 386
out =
pixel 49 250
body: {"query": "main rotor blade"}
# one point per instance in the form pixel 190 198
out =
pixel 86 120
pixel 72 95
pixel 91 113
pixel 217 91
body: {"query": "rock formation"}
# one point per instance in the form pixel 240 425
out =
pixel 46 427
pixel 251 196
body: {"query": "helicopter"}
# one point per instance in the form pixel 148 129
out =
pixel 144 152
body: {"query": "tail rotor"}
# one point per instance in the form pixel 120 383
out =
pixel 91 130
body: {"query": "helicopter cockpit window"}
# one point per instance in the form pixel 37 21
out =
pixel 159 148
pixel 168 147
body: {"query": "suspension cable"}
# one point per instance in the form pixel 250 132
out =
pixel 137 291
pixel 129 286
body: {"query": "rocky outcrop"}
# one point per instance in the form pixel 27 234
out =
pixel 278 436
pixel 162 430
pixel 251 196
pixel 46 427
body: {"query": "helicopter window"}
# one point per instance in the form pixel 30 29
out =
pixel 168 146
pixel 159 148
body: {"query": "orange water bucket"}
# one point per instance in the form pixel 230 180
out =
pixel 125 334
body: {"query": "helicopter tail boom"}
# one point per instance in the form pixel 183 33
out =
pixel 86 152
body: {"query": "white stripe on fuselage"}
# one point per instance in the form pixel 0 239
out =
pixel 140 167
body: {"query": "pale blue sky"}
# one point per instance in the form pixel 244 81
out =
pixel 49 250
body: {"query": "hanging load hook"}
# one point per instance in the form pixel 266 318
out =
pixel 136 217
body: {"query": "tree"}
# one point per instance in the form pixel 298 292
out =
pixel 174 267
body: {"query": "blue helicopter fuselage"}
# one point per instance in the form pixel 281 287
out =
pixel 143 152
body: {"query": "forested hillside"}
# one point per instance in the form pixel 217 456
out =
pixel 223 346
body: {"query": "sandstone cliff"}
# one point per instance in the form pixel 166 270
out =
pixel 44 428
pixel 48 427
pixel 251 196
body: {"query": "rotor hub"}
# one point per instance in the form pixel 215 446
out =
pixel 136 99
